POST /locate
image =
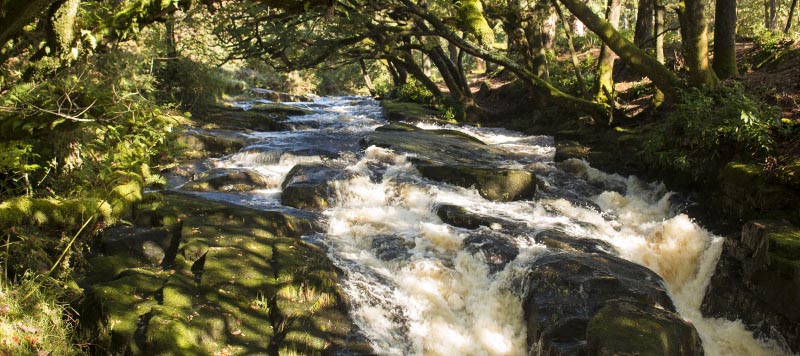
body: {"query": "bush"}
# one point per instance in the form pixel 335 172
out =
pixel 415 92
pixel 705 129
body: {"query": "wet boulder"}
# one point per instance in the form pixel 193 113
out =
pixel 461 217
pixel 391 247
pixel 495 184
pixel 494 248
pixel 574 302
pixel 229 181
pixel 560 240
pixel 309 186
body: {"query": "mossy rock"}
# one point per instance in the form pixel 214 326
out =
pixel 398 126
pixel 443 147
pixel 229 181
pixel 410 112
pixel 204 144
pixel 492 183
pixel 571 149
pixel 621 328
pixel 747 192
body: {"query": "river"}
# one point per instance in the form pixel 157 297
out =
pixel 432 295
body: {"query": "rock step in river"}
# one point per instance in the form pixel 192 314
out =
pixel 362 236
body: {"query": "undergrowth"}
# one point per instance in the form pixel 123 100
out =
pixel 707 128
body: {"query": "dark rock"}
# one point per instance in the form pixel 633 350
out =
pixel 441 147
pixel 569 296
pixel 556 239
pixel 492 183
pixel 757 280
pixel 460 217
pixel 409 112
pixel 308 186
pixel 229 181
pixel 496 249
pixel 149 245
pixel 390 248
pixel 571 149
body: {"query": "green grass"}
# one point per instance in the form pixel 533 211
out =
pixel 32 322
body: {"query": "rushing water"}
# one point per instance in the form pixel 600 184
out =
pixel 433 297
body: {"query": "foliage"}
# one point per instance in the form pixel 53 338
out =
pixel 415 92
pixel 32 321
pixel 706 129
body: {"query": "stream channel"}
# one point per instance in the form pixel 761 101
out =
pixel 419 286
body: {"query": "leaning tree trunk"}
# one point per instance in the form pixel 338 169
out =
pixel 640 61
pixel 367 78
pixel 576 64
pixel 691 15
pixel 792 8
pixel 725 39
pixel 604 81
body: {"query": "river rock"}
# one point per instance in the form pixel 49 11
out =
pixel 494 248
pixel 309 186
pixel 279 96
pixel 574 301
pixel 461 217
pixel 492 183
pixel 560 240
pixel 757 280
pixel 229 181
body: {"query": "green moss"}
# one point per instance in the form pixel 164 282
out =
pixel 411 112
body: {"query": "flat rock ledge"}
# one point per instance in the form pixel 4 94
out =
pixel 196 277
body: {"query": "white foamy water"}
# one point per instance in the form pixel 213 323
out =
pixel 414 286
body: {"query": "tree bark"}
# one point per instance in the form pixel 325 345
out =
pixel 61 27
pixel 640 61
pixel 604 82
pixel 645 24
pixel 658 27
pixel 725 39
pixel 792 8
pixel 691 15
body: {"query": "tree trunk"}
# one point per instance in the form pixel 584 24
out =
pixel 604 82
pixel 769 14
pixel 61 27
pixel 575 62
pixel 658 27
pixel 792 8
pixel 367 79
pixel 725 39
pixel 640 61
pixel 695 43
pixel 645 24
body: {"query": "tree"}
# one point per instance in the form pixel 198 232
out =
pixel 604 83
pixel 640 61
pixel 645 24
pixel 725 39
pixel 691 14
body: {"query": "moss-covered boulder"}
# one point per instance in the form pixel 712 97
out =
pixel 574 300
pixel 748 193
pixel 461 217
pixel 757 280
pixel 310 186
pixel 241 180
pixel 492 183
pixel 202 144
pixel 623 328
pixel 239 281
